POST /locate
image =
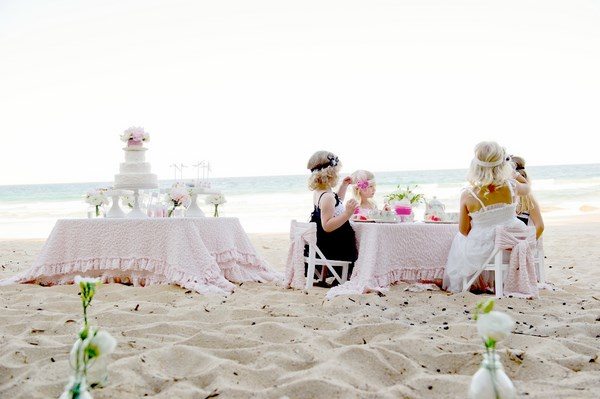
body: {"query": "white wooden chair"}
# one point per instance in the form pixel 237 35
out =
pixel 299 228
pixel 538 258
pixel 498 263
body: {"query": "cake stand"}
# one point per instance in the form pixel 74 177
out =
pixel 115 210
pixel 136 212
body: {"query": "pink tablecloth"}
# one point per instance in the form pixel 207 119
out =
pixel 201 254
pixel 392 252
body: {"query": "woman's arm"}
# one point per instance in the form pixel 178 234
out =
pixel 464 220
pixel 535 215
pixel 343 187
pixel 328 221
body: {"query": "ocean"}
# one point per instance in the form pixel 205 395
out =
pixel 267 204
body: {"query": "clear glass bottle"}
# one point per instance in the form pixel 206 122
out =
pixel 490 381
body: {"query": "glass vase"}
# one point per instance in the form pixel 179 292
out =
pixel 490 381
pixel 97 372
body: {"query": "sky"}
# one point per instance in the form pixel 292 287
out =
pixel 255 87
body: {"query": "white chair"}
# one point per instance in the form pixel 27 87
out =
pixel 298 229
pixel 538 258
pixel 498 262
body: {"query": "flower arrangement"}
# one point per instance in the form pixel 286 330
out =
pixel 136 134
pixel 128 200
pixel 97 198
pixel 405 195
pixel 216 200
pixel 490 381
pixel 179 195
pixel 92 345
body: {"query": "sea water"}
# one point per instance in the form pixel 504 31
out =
pixel 268 203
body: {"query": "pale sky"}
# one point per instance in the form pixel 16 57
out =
pixel 257 86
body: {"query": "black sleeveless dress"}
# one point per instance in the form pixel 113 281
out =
pixel 339 244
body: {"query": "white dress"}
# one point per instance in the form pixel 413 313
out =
pixel 467 254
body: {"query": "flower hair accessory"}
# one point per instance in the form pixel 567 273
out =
pixel 362 184
pixel 332 161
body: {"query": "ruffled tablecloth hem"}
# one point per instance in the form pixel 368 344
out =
pixel 381 283
pixel 239 267
pixel 137 271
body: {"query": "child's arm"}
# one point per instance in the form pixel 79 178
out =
pixel 328 221
pixel 343 187
pixel 464 221
pixel 536 217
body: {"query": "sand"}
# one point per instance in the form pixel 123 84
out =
pixel 267 342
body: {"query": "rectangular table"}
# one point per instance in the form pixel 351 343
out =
pixel 202 254
pixel 393 252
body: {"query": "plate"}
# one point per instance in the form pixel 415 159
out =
pixel 440 222
pixel 363 221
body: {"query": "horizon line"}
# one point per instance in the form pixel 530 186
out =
pixel 281 175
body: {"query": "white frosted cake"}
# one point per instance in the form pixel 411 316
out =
pixel 134 173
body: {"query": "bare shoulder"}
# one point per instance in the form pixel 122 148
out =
pixel 325 198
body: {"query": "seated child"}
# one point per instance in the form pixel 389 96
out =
pixel 528 209
pixel 335 236
pixel 364 189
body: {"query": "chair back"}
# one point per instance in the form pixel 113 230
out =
pixel 299 229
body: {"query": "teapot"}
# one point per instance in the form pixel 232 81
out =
pixel 435 210
pixel 434 207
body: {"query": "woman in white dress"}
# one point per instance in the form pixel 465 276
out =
pixel 487 203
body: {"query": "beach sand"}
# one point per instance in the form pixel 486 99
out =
pixel 267 342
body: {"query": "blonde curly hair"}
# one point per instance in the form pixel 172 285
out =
pixel 489 166
pixel 325 167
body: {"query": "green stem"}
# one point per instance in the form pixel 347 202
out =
pixel 492 369
pixel 97 210
pixel 216 211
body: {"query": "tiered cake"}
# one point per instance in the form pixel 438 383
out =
pixel 134 173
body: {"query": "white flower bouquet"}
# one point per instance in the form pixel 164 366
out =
pixel 216 200
pixel 406 195
pixel 91 346
pixel 97 198
pixel 135 134
pixel 179 195
pixel 490 381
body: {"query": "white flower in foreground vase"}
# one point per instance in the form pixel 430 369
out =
pixel 101 344
pixel 494 326
pixel 490 381
pixel 89 352
pixel 76 390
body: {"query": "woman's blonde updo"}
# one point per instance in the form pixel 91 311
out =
pixel 489 166
pixel 324 167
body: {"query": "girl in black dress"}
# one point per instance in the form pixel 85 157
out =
pixel 335 236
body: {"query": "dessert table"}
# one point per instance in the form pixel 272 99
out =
pixel 393 252
pixel 202 254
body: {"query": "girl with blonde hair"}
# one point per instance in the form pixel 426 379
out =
pixel 335 236
pixel 363 189
pixel 488 202
pixel 528 209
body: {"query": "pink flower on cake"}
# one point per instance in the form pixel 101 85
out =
pixel 136 134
